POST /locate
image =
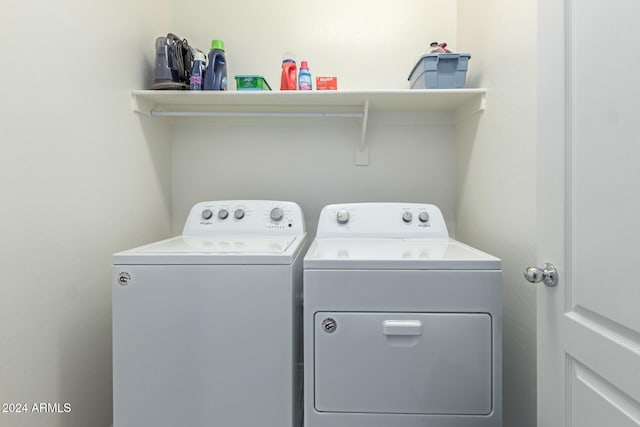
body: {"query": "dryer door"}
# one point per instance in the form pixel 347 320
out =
pixel 403 363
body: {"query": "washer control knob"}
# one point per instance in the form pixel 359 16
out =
pixel 239 214
pixel 223 214
pixel 207 214
pixel 423 217
pixel 407 216
pixel 277 214
pixel 342 216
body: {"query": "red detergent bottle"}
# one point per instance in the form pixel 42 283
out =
pixel 288 80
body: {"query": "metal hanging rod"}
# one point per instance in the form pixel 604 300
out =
pixel 155 113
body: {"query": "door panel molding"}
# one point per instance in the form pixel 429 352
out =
pixel 568 154
pixel 614 331
pixel 607 402
pixel 604 351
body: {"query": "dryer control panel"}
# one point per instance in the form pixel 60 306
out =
pixel 382 220
pixel 255 217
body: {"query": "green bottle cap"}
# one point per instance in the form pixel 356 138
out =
pixel 217 44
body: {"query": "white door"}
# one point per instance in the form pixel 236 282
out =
pixel 589 213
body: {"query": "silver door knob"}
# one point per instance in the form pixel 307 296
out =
pixel 547 274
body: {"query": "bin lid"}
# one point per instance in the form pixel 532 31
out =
pixel 438 56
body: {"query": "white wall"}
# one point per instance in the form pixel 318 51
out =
pixel 310 161
pixel 496 155
pixel 81 177
pixel 368 45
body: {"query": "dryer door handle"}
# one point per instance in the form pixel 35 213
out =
pixel 402 327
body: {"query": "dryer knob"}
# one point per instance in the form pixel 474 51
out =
pixel 423 217
pixel 407 217
pixel 277 214
pixel 239 214
pixel 223 214
pixel 207 214
pixel 342 216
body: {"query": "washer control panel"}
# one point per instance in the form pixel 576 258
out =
pixel 384 220
pixel 258 217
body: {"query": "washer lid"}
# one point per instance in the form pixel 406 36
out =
pixel 386 254
pixel 215 250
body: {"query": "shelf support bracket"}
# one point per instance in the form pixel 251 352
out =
pixel 470 109
pixel 141 106
pixel 362 149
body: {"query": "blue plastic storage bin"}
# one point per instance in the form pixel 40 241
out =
pixel 440 71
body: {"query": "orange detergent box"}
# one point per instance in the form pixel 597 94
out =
pixel 326 83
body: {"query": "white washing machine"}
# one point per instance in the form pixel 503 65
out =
pixel 207 325
pixel 402 325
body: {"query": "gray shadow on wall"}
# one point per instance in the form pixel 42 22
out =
pixel 464 152
pixel 85 372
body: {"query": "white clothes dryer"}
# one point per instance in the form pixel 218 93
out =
pixel 207 325
pixel 402 325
